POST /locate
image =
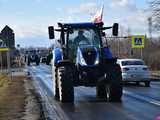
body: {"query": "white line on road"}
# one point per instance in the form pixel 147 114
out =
pixel 143 98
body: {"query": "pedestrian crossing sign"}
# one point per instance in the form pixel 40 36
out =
pixel 138 41
pixel 3 46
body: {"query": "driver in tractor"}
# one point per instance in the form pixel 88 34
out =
pixel 81 38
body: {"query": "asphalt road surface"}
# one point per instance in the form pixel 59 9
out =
pixel 138 102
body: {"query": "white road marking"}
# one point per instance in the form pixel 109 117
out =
pixel 143 98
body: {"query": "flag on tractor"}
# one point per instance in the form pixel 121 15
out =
pixel 99 15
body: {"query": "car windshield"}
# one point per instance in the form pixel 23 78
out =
pixel 80 37
pixel 136 62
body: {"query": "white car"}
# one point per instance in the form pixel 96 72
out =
pixel 134 70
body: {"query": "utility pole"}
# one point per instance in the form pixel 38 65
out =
pixel 119 40
pixel 129 42
pixel 150 27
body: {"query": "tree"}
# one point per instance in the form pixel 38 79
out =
pixel 155 14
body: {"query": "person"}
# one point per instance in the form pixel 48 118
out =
pixel 80 38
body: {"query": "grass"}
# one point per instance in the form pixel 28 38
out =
pixel 4 78
pixel 156 74
pixel 12 98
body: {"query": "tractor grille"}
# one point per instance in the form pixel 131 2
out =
pixel 89 55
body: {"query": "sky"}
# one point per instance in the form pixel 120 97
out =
pixel 30 18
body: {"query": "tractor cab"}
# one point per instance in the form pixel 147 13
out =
pixel 79 38
pixel 82 42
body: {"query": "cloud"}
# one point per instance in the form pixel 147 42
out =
pixel 86 8
pixel 80 13
pixel 22 27
pixel 24 31
pixel 136 23
pixel 124 5
pixel 31 35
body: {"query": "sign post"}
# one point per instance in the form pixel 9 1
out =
pixel 138 42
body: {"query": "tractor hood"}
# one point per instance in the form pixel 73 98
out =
pixel 87 55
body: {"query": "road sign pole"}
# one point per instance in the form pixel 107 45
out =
pixel 9 64
pixel 141 53
pixel 1 61
pixel 118 47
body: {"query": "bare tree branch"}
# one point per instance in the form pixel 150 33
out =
pixel 155 14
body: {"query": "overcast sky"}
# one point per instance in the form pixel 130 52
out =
pixel 30 18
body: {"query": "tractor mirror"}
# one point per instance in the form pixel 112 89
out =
pixel 51 32
pixel 115 29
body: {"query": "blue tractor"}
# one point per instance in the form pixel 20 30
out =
pixel 83 60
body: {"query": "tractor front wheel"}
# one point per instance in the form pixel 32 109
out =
pixel 100 89
pixel 65 84
pixel 56 90
pixel 114 89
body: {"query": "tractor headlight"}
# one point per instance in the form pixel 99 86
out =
pixel 96 62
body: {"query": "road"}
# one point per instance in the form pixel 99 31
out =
pixel 138 102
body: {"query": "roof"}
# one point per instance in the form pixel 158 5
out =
pixel 79 25
pixel 129 59
pixel 7 28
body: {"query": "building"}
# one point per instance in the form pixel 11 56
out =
pixel 8 36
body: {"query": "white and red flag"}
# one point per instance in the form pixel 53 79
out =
pixel 99 15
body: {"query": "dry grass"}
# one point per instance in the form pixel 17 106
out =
pixel 18 99
pixel 3 79
pixel 156 74
pixel 12 98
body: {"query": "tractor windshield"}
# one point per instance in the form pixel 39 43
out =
pixel 81 37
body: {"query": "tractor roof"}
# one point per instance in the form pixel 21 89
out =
pixel 81 25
